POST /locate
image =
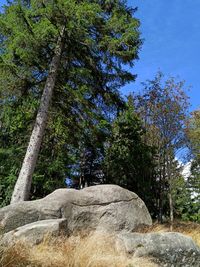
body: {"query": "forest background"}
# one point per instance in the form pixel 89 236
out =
pixel 99 136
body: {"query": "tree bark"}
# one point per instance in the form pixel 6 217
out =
pixel 162 182
pixel 171 208
pixel 171 211
pixel 23 185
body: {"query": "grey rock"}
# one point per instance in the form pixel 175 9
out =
pixel 107 208
pixel 169 249
pixel 35 232
pixel 103 206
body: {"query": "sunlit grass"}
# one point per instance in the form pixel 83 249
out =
pixel 96 249
pixel 93 250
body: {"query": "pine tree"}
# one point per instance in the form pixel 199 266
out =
pixel 128 159
pixel 61 46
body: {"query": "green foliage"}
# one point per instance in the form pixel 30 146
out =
pixel 193 133
pixel 183 206
pixel 97 43
pixel 16 123
pixel 192 213
pixel 97 47
pixel 194 180
pixel 128 159
pixel 162 106
pixel 17 118
pixel 90 131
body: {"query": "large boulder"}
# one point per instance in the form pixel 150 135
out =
pixel 108 207
pixel 169 249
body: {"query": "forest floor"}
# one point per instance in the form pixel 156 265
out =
pixel 86 250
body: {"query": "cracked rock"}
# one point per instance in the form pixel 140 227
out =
pixel 107 207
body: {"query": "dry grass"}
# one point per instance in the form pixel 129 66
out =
pixel 89 250
pixel 93 250
pixel 14 256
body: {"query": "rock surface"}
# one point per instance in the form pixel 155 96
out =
pixel 35 232
pixel 109 207
pixel 170 249
pixel 104 207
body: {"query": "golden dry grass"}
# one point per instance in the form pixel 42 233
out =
pixel 14 256
pixel 86 250
pixel 93 250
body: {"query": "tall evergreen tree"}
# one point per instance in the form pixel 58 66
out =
pixel 128 159
pixel 62 46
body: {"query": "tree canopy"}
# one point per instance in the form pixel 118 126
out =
pixel 98 40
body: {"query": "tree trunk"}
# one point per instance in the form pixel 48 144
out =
pixel 162 182
pixel 82 169
pixel 23 185
pixel 171 210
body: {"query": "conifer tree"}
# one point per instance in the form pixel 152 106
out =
pixel 128 159
pixel 52 47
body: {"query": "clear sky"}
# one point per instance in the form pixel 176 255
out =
pixel 171 33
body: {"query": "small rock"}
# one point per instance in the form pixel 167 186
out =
pixel 35 232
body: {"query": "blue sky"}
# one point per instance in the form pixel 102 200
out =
pixel 171 33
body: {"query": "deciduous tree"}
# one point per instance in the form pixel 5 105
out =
pixel 163 107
